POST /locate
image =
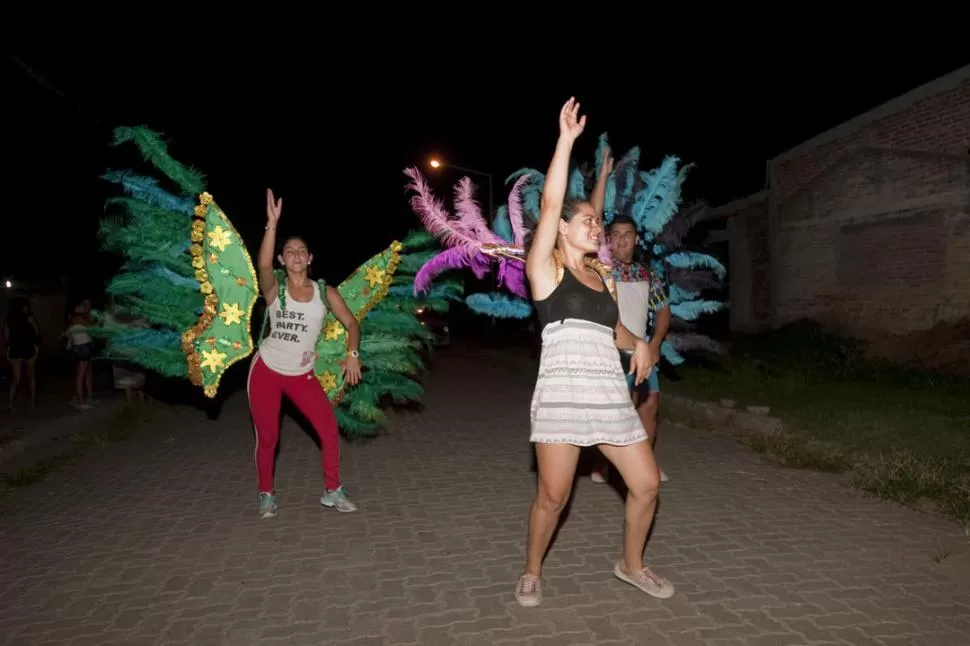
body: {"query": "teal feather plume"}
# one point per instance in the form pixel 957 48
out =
pixel 669 352
pixel 499 305
pixel 577 185
pixel 501 224
pixel 678 295
pixel 696 260
pixel 691 310
pixel 147 189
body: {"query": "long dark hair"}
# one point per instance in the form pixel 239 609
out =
pixel 569 207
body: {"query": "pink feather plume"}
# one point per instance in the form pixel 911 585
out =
pixel 470 220
pixel 515 209
pixel 435 218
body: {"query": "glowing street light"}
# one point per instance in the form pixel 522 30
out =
pixel 7 284
pixel 435 163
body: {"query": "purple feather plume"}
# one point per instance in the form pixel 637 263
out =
pixel 453 258
pixel 694 342
pixel 674 232
pixel 511 275
pixel 693 280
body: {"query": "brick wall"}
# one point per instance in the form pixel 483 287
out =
pixel 749 267
pixel 868 223
pixel 877 243
pixel 938 120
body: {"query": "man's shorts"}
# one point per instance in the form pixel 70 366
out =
pixel 649 385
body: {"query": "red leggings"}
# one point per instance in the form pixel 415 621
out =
pixel 266 388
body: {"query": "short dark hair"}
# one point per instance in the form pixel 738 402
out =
pixel 621 219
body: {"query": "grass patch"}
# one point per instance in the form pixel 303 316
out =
pixel 903 434
pixel 118 428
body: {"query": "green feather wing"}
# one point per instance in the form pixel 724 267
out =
pixel 228 281
pixel 392 339
pixel 362 291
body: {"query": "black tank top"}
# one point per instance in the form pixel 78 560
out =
pixel 573 300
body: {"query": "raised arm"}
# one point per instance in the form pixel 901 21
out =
pixel 598 197
pixel 539 266
pixel 267 280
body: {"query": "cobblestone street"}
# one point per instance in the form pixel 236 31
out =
pixel 156 540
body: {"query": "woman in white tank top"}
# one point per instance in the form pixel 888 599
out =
pixel 283 365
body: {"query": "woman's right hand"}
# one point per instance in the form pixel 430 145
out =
pixel 274 208
pixel 570 123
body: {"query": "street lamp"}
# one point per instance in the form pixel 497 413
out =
pixel 437 164
pixel 7 284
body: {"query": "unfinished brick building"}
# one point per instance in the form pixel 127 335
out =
pixel 865 227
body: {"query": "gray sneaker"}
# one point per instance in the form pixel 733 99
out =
pixel 528 591
pixel 646 581
pixel 267 505
pixel 337 499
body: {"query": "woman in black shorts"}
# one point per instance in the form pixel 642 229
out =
pixel 21 340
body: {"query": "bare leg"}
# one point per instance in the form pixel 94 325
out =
pixel 648 406
pixel 639 470
pixel 88 379
pixel 557 468
pixel 16 364
pixel 647 409
pixel 80 368
pixel 32 381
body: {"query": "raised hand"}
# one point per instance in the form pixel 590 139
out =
pixel 274 207
pixel 570 123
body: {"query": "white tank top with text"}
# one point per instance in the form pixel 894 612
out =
pixel 293 333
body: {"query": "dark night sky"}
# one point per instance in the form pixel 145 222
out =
pixel 333 144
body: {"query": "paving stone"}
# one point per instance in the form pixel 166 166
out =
pixel 156 540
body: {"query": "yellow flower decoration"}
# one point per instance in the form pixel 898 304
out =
pixel 333 330
pixel 374 275
pixel 213 359
pixel 219 238
pixel 329 380
pixel 231 314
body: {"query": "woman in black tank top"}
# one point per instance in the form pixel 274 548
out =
pixel 581 396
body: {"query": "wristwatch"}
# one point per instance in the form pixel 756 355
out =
pixel 354 353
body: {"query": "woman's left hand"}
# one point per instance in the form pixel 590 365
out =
pixel 641 363
pixel 351 369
